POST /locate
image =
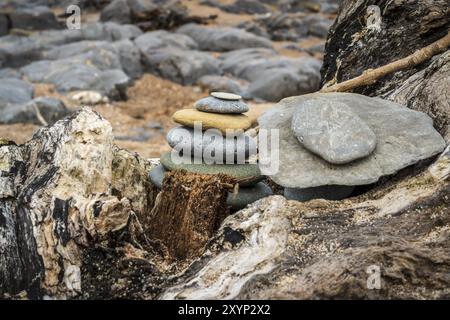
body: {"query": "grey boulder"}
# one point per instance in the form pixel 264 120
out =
pixel 404 137
pixel 331 192
pixel 161 39
pixel 222 83
pixel 332 131
pixel 223 38
pixel 35 18
pixel 181 66
pixel 10 73
pixel 248 195
pixel 4 24
pixel 13 91
pixel 117 11
pixel 272 77
pixel 51 109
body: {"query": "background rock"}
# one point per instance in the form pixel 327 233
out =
pixel 223 39
pixel 15 91
pixel 36 18
pixel 50 109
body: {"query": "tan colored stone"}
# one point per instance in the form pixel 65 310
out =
pixel 218 121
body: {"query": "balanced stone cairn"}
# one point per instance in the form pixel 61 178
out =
pixel 212 140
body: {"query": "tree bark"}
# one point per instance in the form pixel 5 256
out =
pixel 188 210
pixel 371 76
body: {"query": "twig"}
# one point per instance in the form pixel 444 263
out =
pixel 372 75
pixel 39 116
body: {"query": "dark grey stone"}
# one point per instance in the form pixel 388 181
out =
pixel 332 131
pixel 161 39
pixel 222 83
pixel 16 51
pixel 121 32
pixel 246 6
pixel 4 24
pixel 76 48
pixel 325 192
pixel 181 66
pixel 35 18
pixel 248 195
pixel 223 38
pixel 130 58
pixel 10 73
pixel 272 77
pixel 245 174
pixel 15 91
pixel 51 109
pixel 214 105
pixel 404 137
pixel 156 176
pixel 117 11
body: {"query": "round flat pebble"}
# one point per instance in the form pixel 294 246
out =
pixel 226 96
pixel 223 122
pixel 210 143
pixel 247 195
pixel 156 175
pixel 245 174
pixel 214 105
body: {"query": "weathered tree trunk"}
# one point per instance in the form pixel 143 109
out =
pixel 62 192
pixel 406 26
pixel 187 211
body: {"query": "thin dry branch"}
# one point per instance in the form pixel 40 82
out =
pixel 370 76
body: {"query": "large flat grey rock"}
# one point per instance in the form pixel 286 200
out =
pixel 404 137
pixel 333 131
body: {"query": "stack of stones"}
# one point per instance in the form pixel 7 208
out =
pixel 220 147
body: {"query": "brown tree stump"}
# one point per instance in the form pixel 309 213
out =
pixel 188 210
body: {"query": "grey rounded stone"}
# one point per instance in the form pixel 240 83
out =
pixel 226 96
pixel 245 174
pixel 332 130
pixel 206 144
pixel 247 195
pixel 404 137
pixel 326 192
pixel 156 175
pixel 214 105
